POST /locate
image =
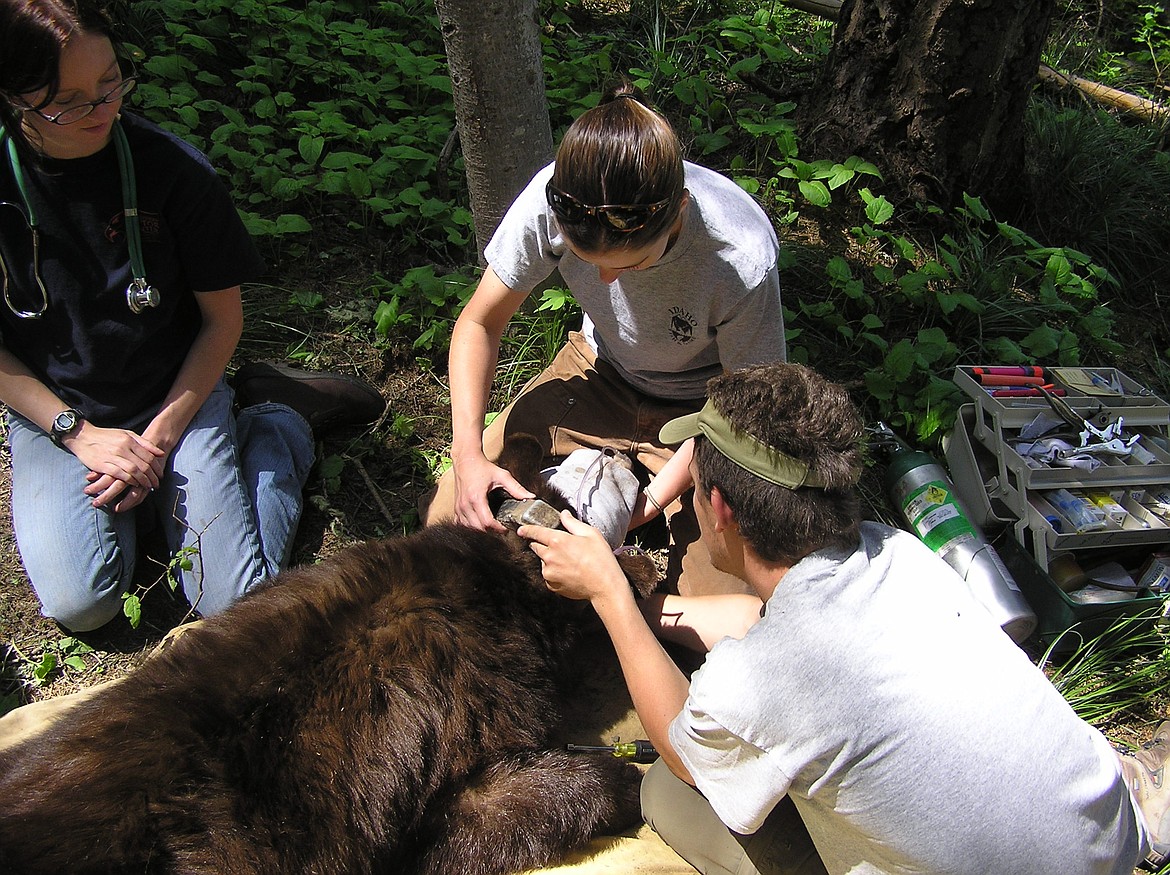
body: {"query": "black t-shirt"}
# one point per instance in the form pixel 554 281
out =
pixel 98 356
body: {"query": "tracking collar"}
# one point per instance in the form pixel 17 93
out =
pixel 528 512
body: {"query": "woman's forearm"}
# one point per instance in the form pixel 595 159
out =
pixel 22 391
pixel 202 368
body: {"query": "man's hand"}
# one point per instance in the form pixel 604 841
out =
pixel 577 563
pixel 474 479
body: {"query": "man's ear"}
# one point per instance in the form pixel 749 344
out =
pixel 721 510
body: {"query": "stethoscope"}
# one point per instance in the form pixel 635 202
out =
pixel 139 294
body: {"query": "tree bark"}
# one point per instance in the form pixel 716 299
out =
pixel 493 53
pixel 933 92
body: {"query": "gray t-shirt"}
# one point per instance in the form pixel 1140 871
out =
pixel 911 733
pixel 712 303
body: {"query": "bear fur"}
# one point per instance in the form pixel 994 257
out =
pixel 388 710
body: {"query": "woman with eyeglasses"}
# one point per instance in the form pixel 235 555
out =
pixel 675 268
pixel 121 258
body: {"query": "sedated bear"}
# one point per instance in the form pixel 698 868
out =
pixel 386 710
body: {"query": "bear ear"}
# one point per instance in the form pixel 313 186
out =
pixel 521 457
pixel 639 569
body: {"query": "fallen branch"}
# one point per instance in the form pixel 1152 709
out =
pixel 1139 106
pixel 373 490
pixel 823 8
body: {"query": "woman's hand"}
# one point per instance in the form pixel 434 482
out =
pixel 474 479
pixel 475 346
pixel 672 480
pixel 123 496
pixel 124 467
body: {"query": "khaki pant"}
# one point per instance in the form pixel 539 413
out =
pixel 31 719
pixel 685 820
pixel 579 402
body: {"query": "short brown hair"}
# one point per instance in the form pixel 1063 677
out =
pixel 796 411
pixel 620 152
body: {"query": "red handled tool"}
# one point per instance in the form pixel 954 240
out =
pixel 1010 371
pixel 1008 380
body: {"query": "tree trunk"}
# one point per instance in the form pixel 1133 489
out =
pixel 933 92
pixel 493 52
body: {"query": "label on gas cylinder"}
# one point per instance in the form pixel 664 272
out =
pixel 935 515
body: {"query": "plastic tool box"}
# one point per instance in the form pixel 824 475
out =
pixel 1009 492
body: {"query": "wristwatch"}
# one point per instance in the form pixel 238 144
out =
pixel 65 423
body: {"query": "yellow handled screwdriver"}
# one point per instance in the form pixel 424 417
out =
pixel 640 751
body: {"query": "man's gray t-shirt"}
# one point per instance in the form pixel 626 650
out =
pixel 911 733
pixel 712 303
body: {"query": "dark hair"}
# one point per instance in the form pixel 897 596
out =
pixel 795 410
pixel 33 34
pixel 620 152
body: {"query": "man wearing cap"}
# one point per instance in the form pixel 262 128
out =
pixel 874 718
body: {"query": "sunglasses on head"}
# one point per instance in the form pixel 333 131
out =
pixel 618 217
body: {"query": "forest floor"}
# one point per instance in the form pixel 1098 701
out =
pixel 366 484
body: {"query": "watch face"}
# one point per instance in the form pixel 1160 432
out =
pixel 65 422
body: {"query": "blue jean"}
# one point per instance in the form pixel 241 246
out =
pixel 231 490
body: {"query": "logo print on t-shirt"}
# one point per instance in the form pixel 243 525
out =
pixel 149 223
pixel 115 228
pixel 682 326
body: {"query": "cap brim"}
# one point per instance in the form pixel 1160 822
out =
pixel 678 430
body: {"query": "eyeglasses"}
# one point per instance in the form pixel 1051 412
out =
pixel 618 217
pixel 77 113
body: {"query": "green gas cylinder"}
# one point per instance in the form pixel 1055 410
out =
pixel 926 498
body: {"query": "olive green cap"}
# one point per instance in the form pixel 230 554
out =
pixel 741 448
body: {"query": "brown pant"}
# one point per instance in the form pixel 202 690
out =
pixel 579 402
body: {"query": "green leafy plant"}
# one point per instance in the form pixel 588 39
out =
pixel 905 315
pixel 182 561
pixel 816 180
pixel 1099 186
pixel 67 653
pixel 423 304
pixel 533 339
pixel 1153 36
pixel 311 111
pixel 329 470
pixel 1124 44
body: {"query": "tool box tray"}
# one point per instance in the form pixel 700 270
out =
pixel 997 421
